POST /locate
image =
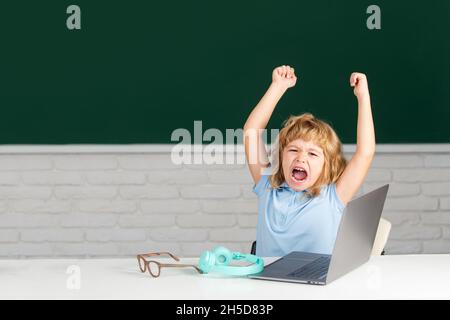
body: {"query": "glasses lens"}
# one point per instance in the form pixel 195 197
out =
pixel 153 268
pixel 141 263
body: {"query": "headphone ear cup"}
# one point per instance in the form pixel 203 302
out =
pixel 207 261
pixel 223 256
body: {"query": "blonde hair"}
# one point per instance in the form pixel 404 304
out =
pixel 309 128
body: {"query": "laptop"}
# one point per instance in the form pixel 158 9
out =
pixel 353 246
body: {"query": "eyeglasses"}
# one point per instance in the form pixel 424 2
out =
pixel 154 267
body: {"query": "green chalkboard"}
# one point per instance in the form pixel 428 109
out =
pixel 138 70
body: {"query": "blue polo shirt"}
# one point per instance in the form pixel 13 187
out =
pixel 290 220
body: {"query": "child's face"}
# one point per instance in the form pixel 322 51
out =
pixel 302 164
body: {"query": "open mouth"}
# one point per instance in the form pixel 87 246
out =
pixel 299 174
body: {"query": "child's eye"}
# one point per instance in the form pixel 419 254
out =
pixel 292 150
pixel 313 154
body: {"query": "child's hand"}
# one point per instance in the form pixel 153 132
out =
pixel 284 76
pixel 359 82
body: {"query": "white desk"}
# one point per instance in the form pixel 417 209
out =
pixel 385 277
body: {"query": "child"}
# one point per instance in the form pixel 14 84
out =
pixel 302 195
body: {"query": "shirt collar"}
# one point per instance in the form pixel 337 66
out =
pixel 284 185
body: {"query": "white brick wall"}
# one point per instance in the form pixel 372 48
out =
pixel 116 204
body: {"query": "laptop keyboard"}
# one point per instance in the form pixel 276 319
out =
pixel 313 270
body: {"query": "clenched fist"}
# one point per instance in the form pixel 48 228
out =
pixel 359 82
pixel 284 76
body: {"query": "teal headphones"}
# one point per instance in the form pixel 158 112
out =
pixel 219 259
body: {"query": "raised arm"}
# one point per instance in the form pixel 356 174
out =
pixel 356 170
pixel 283 78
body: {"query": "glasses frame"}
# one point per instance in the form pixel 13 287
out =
pixel 144 264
